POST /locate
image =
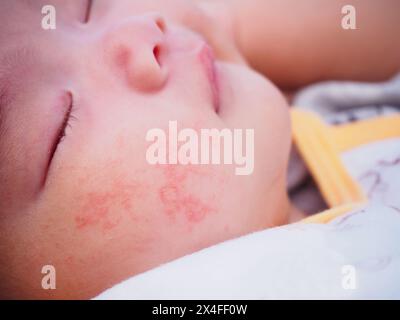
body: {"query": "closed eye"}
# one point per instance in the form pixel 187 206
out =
pixel 66 123
pixel 68 118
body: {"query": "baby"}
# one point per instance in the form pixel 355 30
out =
pixel 77 102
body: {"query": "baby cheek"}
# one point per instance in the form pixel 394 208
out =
pixel 112 191
pixel 110 207
pixel 178 195
pixel 184 194
pixel 175 201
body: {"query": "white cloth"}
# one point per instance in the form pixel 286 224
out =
pixel 355 256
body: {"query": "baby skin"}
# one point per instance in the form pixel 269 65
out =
pixel 76 103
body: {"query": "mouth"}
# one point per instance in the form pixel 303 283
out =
pixel 207 59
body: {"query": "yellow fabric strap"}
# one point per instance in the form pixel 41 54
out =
pixel 316 145
pixel 321 145
pixel 330 214
pixel 358 133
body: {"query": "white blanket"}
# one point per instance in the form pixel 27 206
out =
pixel 354 256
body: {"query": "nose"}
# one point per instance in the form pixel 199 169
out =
pixel 134 48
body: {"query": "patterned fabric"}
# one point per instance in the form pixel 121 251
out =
pixel 340 103
pixel 344 102
pixel 377 168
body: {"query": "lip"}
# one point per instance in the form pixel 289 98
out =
pixel 207 59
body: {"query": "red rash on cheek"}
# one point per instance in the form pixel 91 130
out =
pixel 177 201
pixel 106 209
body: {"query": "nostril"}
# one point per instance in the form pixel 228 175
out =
pixel 157 53
pixel 160 22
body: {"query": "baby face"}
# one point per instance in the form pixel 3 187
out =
pixel 77 191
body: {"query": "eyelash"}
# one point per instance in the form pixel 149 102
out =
pixel 68 119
